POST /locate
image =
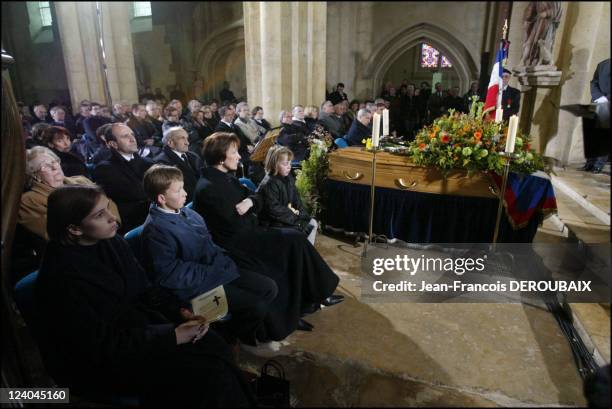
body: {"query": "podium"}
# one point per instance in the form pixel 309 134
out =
pixel 595 127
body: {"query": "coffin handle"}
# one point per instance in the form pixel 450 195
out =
pixel 493 190
pixel 349 177
pixel 403 185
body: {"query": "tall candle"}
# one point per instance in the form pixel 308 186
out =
pixel 512 129
pixel 375 129
pixel 499 115
pixel 385 122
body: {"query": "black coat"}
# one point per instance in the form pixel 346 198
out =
pixel 103 328
pixel 215 191
pixel 357 133
pixel 295 137
pixel 600 84
pixel 92 123
pixel 277 193
pixel 122 182
pixel 457 103
pixel 285 255
pixel 72 163
pixel 143 129
pixel 511 102
pixel 190 169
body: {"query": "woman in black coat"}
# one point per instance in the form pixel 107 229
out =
pixel 230 210
pixel 103 330
pixel 57 139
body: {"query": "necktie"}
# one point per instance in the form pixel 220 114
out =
pixel 184 157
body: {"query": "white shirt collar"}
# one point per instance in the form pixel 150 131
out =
pixel 505 87
pixel 227 123
pixel 127 157
pixel 298 119
pixel 179 154
pixel 168 211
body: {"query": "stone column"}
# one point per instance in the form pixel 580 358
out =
pixel 77 28
pixel 285 47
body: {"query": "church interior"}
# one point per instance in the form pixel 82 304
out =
pixel 381 167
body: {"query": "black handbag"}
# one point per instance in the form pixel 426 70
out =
pixel 272 391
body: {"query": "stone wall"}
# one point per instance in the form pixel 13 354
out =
pixel 358 34
pixel 582 41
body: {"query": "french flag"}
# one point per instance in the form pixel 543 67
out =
pixel 495 82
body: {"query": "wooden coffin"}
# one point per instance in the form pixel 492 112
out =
pixel 354 165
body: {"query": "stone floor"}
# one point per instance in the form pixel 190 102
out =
pixel 400 354
pixel 397 354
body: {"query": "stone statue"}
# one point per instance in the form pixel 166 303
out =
pixel 540 22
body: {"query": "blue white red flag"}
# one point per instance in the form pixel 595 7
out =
pixel 494 91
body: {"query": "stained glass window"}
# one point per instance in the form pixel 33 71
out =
pixel 429 56
pixel 142 8
pixel 445 62
pixel 45 13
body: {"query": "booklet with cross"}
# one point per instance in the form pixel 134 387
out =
pixel 211 305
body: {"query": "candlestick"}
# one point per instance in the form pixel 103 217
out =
pixel 499 115
pixel 385 122
pixel 375 129
pixel 512 129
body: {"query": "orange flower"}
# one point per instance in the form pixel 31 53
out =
pixel 444 137
pixel 466 128
pixel 432 135
pixel 422 146
pixel 477 135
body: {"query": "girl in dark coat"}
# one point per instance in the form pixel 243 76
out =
pixel 101 327
pixel 282 206
pixel 303 278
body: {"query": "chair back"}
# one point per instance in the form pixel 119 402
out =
pixel 261 149
pixel 25 299
pixel 134 239
pixel 341 143
pixel 248 183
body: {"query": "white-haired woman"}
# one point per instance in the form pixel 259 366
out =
pixel 44 173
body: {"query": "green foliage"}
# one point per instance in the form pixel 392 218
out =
pixel 310 179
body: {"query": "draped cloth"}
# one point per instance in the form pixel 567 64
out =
pixel 418 217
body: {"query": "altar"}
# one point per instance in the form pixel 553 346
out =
pixel 419 205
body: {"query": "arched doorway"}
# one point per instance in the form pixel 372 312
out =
pixel 379 63
pixel 221 58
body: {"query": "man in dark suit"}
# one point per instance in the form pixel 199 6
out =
pixel 338 94
pixel 595 129
pixel 121 176
pixel 176 153
pixel 58 113
pixel 226 124
pixel 511 97
pixel 360 129
pixel 295 136
pixel 454 101
pixel 144 131
pixel 435 103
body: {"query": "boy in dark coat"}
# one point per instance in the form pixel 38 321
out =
pixel 183 258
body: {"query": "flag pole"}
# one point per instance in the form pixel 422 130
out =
pixel 500 84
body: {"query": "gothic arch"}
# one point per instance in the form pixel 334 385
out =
pixel 377 65
pixel 212 55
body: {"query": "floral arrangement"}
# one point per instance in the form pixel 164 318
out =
pixel 311 177
pixel 471 142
